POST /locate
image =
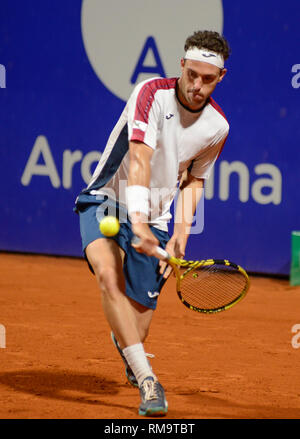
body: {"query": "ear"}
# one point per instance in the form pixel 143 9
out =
pixel 182 62
pixel 223 73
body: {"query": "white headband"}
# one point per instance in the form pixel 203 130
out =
pixel 205 55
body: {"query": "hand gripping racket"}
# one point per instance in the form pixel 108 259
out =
pixel 207 286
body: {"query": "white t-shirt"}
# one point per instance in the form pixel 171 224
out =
pixel 181 139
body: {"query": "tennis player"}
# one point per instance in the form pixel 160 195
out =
pixel 169 135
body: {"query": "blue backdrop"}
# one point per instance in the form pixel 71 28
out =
pixel 54 102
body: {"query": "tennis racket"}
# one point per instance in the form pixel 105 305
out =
pixel 207 286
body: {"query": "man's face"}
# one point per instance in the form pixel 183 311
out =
pixel 197 82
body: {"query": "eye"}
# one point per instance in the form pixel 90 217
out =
pixel 192 74
pixel 208 78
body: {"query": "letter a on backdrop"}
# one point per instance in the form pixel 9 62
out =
pixel 141 68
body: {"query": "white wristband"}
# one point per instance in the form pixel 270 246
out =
pixel 137 199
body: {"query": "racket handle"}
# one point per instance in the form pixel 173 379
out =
pixel 160 252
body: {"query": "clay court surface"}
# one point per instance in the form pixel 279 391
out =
pixel 59 361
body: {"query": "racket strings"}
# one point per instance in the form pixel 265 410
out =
pixel 211 287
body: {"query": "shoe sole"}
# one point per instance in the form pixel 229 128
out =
pixel 159 411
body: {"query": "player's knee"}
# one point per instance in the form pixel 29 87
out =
pixel 108 280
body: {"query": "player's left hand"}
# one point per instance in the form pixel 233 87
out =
pixel 175 247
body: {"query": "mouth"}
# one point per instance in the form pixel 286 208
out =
pixel 194 93
pixel 196 96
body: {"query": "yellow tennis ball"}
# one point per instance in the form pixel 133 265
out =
pixel 109 226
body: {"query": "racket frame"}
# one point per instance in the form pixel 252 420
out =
pixel 192 265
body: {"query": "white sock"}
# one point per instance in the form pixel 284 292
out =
pixel 137 360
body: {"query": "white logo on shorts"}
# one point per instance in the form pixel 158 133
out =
pixel 152 295
pixel 129 41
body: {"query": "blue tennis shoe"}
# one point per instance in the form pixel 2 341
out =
pixel 153 401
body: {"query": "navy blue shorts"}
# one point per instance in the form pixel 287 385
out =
pixel 143 281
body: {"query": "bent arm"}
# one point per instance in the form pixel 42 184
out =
pixel 191 189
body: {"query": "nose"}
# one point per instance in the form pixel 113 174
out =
pixel 198 84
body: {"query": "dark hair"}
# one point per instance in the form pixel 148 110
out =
pixel 209 40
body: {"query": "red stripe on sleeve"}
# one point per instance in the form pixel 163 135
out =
pixel 217 107
pixel 219 110
pixel 146 96
pixel 137 135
